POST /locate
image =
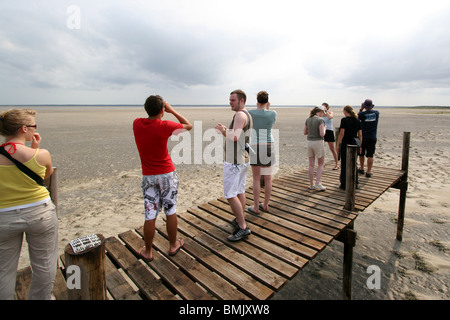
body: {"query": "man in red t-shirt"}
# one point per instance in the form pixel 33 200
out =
pixel 160 180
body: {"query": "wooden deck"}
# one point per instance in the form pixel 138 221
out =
pixel 298 226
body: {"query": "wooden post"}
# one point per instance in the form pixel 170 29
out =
pixel 91 270
pixel 52 185
pixel 403 185
pixel 349 240
pixel 350 182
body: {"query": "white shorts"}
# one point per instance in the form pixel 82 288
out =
pixel 234 176
pixel 160 191
pixel 316 149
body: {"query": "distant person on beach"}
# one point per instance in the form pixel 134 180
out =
pixel 262 158
pixel 329 134
pixel 236 162
pixel 160 179
pixel 26 207
pixel 349 130
pixel 315 131
pixel 369 124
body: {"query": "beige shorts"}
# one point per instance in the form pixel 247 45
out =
pixel 316 149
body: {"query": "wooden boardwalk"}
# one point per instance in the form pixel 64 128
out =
pixel 298 226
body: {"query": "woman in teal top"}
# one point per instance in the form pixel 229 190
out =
pixel 262 154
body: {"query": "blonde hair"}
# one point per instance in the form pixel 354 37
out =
pixel 12 120
pixel 350 111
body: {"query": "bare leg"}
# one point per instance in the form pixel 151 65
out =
pixel 334 153
pixel 149 234
pixel 238 211
pixel 256 187
pixel 361 162
pixel 267 191
pixel 172 229
pixel 369 164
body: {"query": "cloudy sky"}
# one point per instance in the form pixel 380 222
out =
pixel 197 51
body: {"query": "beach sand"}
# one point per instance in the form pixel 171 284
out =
pixel 99 192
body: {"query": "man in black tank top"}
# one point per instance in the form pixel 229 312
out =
pixel 236 162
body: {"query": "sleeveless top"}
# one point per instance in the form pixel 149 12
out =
pixel 17 189
pixel 235 150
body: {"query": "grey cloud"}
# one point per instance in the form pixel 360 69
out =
pixel 421 58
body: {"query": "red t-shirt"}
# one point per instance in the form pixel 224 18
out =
pixel 151 139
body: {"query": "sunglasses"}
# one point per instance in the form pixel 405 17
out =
pixel 31 126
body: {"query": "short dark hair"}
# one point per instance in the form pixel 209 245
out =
pixel 241 94
pixel 154 105
pixel 262 97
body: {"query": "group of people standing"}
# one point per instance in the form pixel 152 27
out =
pixel 355 129
pixel 26 206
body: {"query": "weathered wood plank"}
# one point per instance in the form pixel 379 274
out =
pixel 178 281
pixel 253 247
pixel 151 287
pixel 217 285
pixel 268 235
pixel 242 280
pixel 118 287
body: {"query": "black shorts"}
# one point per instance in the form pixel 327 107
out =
pixel 262 155
pixel 329 136
pixel 368 147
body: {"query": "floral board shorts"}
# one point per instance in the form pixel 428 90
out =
pixel 160 191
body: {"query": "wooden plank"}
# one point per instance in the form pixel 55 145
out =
pixel 217 285
pixel 176 279
pixel 311 200
pixel 239 278
pixel 331 200
pixel 150 286
pixel 291 257
pixel 315 222
pixel 333 197
pixel 302 234
pixel 118 286
pixel 290 240
pixel 253 247
pixel 243 262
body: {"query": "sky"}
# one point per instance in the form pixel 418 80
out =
pixel 395 52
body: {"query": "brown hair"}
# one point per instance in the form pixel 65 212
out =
pixel 12 120
pixel 314 111
pixel 350 110
pixel 241 94
pixel 154 105
pixel 262 97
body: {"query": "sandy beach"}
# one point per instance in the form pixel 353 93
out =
pixel 99 192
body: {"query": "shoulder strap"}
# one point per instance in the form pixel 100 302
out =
pixel 33 175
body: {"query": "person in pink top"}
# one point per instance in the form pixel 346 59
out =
pixel 160 180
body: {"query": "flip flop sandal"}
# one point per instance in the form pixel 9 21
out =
pixel 142 256
pixel 176 251
pixel 250 209
pixel 262 208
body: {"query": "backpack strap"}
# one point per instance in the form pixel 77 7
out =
pixel 33 175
